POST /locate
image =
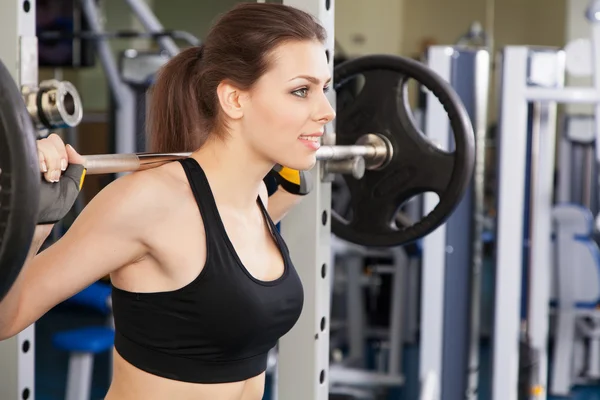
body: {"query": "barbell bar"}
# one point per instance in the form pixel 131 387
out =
pixel 375 149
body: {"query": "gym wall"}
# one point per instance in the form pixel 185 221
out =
pixel 369 27
pixel 362 27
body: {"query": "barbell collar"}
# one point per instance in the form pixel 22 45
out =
pixel 354 166
pixel 375 149
pixel 53 105
pixel 381 150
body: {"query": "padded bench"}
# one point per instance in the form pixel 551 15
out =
pixel 84 343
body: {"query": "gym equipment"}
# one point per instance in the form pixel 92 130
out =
pixel 53 105
pixel 126 103
pixel 417 165
pixel 531 75
pixel 376 148
pixel 475 38
pixel 174 34
pixel 354 324
pixel 578 172
pixel 452 258
pixel 532 83
pixel 393 162
pixel 83 344
pixel 577 282
pixel 532 86
pixel 137 70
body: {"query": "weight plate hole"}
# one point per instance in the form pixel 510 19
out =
pixel 69 103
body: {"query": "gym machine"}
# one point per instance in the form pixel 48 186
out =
pixel 578 173
pixel 524 204
pixel 124 77
pixel 452 255
pixel 532 86
pixel 576 285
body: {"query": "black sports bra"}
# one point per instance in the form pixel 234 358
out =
pixel 219 327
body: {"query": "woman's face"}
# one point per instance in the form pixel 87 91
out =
pixel 286 111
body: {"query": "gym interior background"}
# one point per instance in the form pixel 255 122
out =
pixel 399 27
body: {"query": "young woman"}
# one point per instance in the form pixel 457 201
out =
pixel 203 285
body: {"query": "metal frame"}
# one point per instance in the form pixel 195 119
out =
pixel 450 310
pixel 302 371
pixel 524 205
pixel 433 264
pixel 350 376
pixel 18 51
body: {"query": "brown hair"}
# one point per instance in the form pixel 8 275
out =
pixel 184 109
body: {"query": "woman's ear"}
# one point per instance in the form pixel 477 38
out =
pixel 229 99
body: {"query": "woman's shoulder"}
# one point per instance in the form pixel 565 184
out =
pixel 148 193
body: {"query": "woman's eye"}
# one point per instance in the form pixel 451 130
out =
pixel 301 92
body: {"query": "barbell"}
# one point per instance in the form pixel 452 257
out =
pixel 375 149
pixel 373 124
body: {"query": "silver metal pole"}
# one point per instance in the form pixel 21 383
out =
pixel 397 312
pixel 152 24
pixel 568 95
pixel 115 163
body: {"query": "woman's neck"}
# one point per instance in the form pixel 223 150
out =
pixel 234 171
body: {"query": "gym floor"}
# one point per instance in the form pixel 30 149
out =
pixel 51 364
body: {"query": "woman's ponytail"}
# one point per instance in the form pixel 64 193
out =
pixel 174 119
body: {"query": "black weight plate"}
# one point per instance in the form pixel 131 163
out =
pixel 417 166
pixel 19 181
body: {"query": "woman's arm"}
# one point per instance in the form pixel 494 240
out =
pixel 292 186
pixel 107 235
pixel 281 202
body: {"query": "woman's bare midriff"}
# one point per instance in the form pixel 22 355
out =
pixel 131 383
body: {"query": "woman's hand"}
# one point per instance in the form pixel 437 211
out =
pixel 63 172
pixel 54 157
